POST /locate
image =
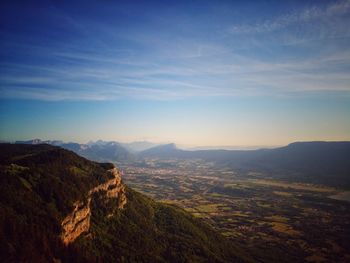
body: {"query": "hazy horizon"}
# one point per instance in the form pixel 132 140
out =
pixel 197 73
pixel 179 146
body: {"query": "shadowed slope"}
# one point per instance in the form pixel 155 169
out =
pixel 43 187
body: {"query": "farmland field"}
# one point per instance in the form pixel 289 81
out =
pixel 275 220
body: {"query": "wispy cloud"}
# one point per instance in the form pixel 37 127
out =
pixel 199 78
pixel 102 63
pixel 309 14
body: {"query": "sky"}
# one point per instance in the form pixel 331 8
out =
pixel 196 73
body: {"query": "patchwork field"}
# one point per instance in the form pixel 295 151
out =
pixel 275 220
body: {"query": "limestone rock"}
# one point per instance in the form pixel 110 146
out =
pixel 78 222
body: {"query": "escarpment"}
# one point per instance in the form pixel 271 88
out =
pixel 56 206
pixel 78 221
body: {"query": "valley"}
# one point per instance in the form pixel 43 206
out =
pixel 274 220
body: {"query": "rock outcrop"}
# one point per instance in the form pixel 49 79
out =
pixel 78 221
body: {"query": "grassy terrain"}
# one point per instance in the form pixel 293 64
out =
pixel 147 231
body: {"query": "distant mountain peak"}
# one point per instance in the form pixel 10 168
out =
pixel 139 146
pixel 165 147
pixel 169 146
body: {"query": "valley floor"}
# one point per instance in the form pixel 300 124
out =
pixel 275 220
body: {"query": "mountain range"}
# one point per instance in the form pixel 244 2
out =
pixel 100 150
pixel 312 162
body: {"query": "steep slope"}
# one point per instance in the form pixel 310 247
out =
pixel 78 221
pixel 58 207
pixel 147 231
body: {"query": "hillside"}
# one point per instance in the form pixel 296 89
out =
pixel 56 206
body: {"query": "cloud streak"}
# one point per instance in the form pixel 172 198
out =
pixel 109 65
pixel 88 81
pixel 310 14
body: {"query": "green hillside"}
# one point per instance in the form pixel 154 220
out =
pixel 38 188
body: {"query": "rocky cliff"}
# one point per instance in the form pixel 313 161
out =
pixel 78 221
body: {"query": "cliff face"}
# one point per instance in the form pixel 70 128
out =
pixel 78 221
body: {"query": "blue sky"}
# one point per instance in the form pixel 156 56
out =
pixel 192 72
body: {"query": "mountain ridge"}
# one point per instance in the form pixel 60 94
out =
pixel 313 162
pixel 42 187
pixel 319 162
